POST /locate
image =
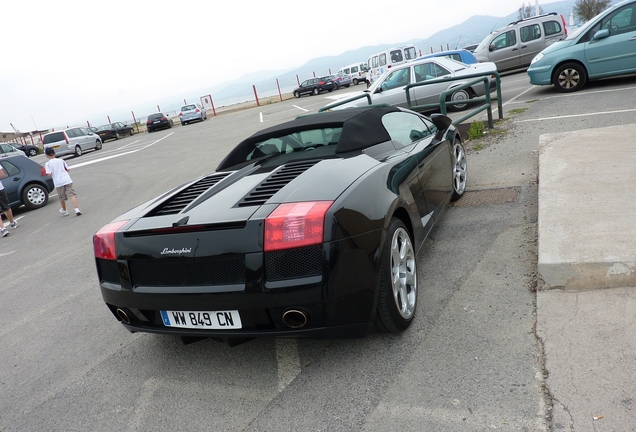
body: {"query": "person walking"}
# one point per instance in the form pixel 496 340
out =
pixel 58 170
pixel 5 208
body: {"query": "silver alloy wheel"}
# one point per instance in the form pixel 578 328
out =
pixel 78 151
pixel 403 273
pixel 35 197
pixel 459 170
pixel 569 78
pixel 460 95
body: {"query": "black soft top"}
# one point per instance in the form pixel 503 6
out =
pixel 361 128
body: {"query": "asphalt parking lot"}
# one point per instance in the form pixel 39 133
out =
pixel 471 360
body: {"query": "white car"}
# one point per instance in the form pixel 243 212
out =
pixel 389 88
pixel 74 140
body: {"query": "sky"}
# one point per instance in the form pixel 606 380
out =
pixel 66 63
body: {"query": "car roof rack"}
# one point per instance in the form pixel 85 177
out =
pixel 531 18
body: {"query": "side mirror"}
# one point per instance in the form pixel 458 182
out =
pixel 601 34
pixel 491 47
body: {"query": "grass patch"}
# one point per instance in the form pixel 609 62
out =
pixel 476 130
pixel 517 110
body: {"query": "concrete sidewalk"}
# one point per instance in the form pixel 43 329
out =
pixel 586 310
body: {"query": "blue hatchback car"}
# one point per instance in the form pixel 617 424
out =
pixel 605 46
pixel 460 55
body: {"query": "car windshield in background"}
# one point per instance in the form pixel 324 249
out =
pixel 105 127
pixel 189 108
pixel 301 141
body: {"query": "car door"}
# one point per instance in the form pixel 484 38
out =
pixel 504 50
pixel 532 42
pixel 616 53
pixel 428 71
pixel 86 140
pixel 409 133
pixel 390 89
pixel 11 177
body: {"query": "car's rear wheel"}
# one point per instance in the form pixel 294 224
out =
pixel 460 95
pixel 398 280
pixel 296 94
pixel 355 81
pixel 132 132
pixel 336 87
pixel 35 196
pixel 117 136
pixel 78 151
pixel 569 77
pixel 33 152
pixel 316 91
pixel 98 145
pixel 460 170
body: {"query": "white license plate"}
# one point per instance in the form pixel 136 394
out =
pixel 215 320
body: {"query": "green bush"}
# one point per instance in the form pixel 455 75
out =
pixel 476 130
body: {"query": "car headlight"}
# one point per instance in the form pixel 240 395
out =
pixel 536 58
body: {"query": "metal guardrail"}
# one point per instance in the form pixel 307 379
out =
pixel 476 79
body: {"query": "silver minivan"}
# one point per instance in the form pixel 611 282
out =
pixel 72 141
pixel 514 46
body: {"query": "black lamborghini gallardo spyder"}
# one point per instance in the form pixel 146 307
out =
pixel 310 228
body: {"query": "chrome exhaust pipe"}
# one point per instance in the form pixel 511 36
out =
pixel 295 318
pixel 121 313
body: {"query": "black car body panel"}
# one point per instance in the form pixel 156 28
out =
pixel 158 121
pixel 200 247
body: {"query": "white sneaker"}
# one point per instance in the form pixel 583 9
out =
pixel 77 212
pixel 64 212
pixel 4 232
pixel 14 224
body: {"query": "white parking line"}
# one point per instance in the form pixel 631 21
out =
pixel 302 109
pixel 576 115
pixel 260 114
pixel 119 154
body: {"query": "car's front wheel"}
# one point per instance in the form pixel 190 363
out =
pixel 569 77
pixel 117 136
pixel 316 91
pixel 296 94
pixel 398 280
pixel 458 96
pixel 460 170
pixel 78 151
pixel 132 132
pixel 35 196
pixel 98 145
pixel 355 81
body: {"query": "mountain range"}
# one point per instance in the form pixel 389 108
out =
pixel 469 32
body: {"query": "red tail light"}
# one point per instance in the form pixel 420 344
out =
pixel 295 225
pixel 180 114
pixel 148 122
pixel 198 110
pixel 65 137
pixel 104 240
pixel 321 82
pixel 42 171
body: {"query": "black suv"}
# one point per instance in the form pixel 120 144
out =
pixel 314 86
pixel 158 121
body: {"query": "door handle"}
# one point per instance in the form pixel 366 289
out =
pixel 515 49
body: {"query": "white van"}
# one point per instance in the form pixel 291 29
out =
pixel 381 62
pixel 515 45
pixel 357 72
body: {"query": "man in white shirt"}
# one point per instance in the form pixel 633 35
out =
pixel 58 170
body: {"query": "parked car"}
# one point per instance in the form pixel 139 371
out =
pixel 460 55
pixel 27 149
pixel 190 113
pixel 282 239
pixel 92 129
pixel 114 131
pixel 158 121
pixel 603 47
pixel 390 87
pixel 7 150
pixel 314 86
pixel 357 72
pixel 25 182
pixel 340 80
pixel 514 46
pixel 74 140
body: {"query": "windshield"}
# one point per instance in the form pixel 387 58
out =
pixel 485 42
